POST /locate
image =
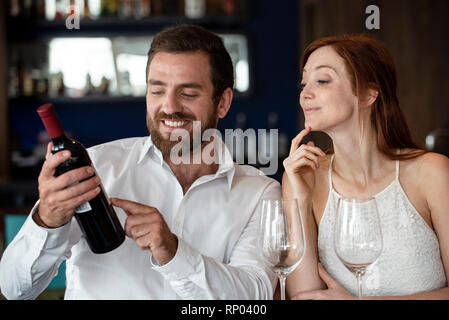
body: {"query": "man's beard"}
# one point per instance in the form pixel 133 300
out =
pixel 165 145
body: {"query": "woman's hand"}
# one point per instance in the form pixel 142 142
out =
pixel 298 182
pixel 300 166
pixel 334 291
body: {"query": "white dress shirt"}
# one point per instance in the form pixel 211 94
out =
pixel 216 222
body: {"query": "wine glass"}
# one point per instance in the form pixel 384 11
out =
pixel 357 235
pixel 282 237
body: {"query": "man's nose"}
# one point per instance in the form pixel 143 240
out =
pixel 171 104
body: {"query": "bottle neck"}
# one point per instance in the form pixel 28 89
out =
pixel 60 143
pixel 61 139
pixel 53 127
pixel 51 121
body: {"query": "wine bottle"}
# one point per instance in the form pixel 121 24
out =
pixel 96 218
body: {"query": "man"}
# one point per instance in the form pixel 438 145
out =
pixel 192 227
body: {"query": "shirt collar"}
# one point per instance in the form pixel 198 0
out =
pixel 150 149
pixel 226 165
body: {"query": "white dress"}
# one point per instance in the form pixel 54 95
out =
pixel 410 261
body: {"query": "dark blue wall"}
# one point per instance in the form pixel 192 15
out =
pixel 273 31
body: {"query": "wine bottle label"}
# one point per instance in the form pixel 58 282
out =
pixel 84 207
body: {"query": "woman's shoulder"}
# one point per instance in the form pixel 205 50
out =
pixel 427 160
pixel 427 166
pixel 432 181
pixel 425 180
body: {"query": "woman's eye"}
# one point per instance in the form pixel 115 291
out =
pixel 301 86
pixel 322 81
pixel 156 93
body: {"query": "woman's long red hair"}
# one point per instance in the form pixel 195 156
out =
pixel 370 66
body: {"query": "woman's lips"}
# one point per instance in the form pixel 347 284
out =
pixel 308 110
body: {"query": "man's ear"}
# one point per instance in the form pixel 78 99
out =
pixel 225 103
pixel 369 98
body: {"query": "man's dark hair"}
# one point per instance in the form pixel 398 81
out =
pixel 190 38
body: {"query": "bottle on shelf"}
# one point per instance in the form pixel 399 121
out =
pixel 195 9
pixel 141 9
pixel 42 86
pixel 59 9
pixel 27 9
pixel 53 84
pixel 104 86
pixel 13 82
pixel 146 8
pixel 126 9
pixel 60 86
pixel 28 88
pixel 137 9
pixel 20 75
pixel 36 76
pixel 50 10
pixel 96 218
pixel 89 88
pixel 39 12
pixel 13 77
pixel 71 9
pixel 228 7
pixel 109 8
pixel 86 13
pixel 14 8
pixel 124 83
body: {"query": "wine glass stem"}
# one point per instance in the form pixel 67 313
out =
pixel 359 283
pixel 282 282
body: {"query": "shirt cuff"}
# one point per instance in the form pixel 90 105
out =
pixel 47 238
pixel 187 261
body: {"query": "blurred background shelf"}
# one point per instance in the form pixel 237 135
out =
pixel 107 101
pixel 26 30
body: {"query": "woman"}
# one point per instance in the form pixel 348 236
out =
pixel 349 92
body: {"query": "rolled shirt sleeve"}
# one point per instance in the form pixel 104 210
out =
pixel 196 276
pixel 32 259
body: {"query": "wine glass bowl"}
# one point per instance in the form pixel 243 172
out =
pixel 282 237
pixel 357 235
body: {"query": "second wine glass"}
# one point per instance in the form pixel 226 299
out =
pixel 282 237
pixel 357 235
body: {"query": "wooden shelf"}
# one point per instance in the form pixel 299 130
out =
pixel 20 30
pixel 87 100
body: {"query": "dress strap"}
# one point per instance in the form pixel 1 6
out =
pixel 330 172
pixel 397 166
